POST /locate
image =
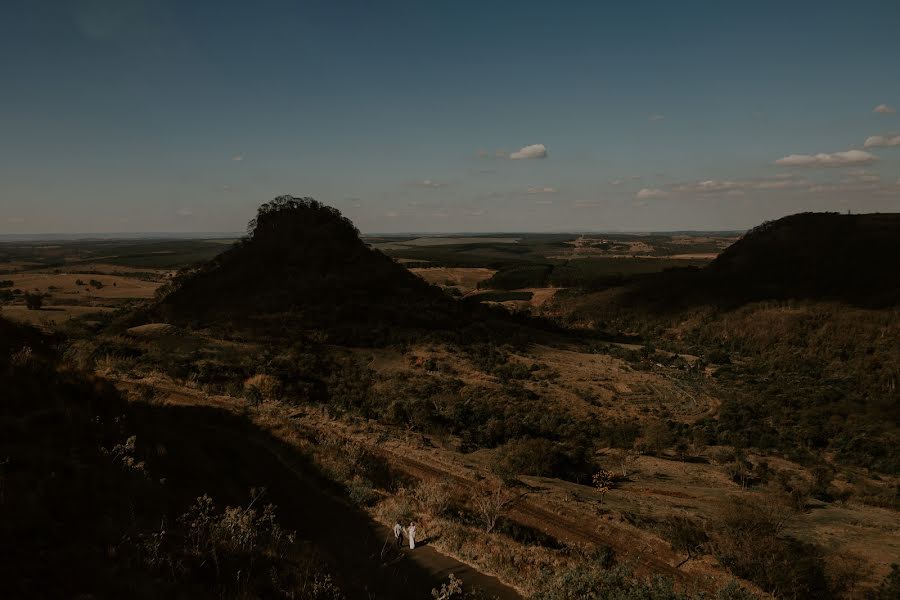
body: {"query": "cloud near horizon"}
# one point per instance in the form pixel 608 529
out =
pixel 541 190
pixel 882 141
pixel 884 109
pixel 833 159
pixel 431 185
pixel 713 186
pixel 532 151
pixel 645 193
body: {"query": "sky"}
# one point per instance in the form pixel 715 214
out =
pixel 446 116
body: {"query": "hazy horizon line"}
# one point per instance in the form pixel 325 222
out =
pixel 219 235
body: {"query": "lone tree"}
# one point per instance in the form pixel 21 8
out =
pixel 491 504
pixel 34 301
pixel 603 481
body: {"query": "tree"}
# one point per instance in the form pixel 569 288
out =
pixel 34 301
pixel 491 504
pixel 657 437
pixel 603 482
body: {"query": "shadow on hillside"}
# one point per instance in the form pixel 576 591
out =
pixel 202 450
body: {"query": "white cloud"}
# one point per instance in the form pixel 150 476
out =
pixel 431 184
pixel 532 151
pixel 862 176
pixel 656 117
pixel 845 188
pixel 616 182
pixel 184 212
pixel 833 159
pixel 727 187
pixel 880 141
pixel 710 186
pixel 541 190
pixel 735 188
pixel 884 109
pixel 646 193
pixel 237 157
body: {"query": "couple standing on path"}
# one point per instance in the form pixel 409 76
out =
pixel 409 531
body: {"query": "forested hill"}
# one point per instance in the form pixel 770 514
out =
pixel 303 268
pixel 814 256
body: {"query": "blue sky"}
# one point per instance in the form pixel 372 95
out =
pixel 135 115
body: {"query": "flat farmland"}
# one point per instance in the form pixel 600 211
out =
pixel 74 286
pixel 465 279
pixel 52 316
pixel 68 296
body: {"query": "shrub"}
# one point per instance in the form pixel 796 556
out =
pixel 360 491
pixel 491 504
pixel 266 387
pixel 34 301
pixel 433 497
pixel 750 543
pixel 528 456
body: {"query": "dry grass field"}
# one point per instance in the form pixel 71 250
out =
pixel 60 286
pixel 85 290
pixel 51 315
pixel 462 278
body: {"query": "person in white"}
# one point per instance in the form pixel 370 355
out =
pixel 411 533
pixel 398 533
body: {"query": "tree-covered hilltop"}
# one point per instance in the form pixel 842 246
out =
pixel 303 270
pixel 807 256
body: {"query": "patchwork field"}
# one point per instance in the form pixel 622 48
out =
pixel 60 286
pixel 465 279
pixel 78 281
pixel 525 271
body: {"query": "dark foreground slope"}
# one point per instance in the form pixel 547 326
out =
pixel 809 256
pixel 107 498
pixel 304 270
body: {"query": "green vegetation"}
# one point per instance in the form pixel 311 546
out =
pixel 34 301
pixel 502 296
pixel 151 254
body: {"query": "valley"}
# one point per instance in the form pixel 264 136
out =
pixel 540 438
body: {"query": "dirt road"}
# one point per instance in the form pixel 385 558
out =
pixel 223 454
pixel 528 512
